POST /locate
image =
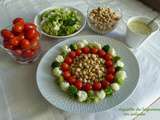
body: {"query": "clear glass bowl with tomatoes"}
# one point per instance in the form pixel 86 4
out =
pixel 21 41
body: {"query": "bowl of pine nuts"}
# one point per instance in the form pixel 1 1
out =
pixel 103 18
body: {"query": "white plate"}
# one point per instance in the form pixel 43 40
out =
pixel 58 98
pixel 37 21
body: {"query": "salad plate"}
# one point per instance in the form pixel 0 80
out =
pixel 60 21
pixel 52 93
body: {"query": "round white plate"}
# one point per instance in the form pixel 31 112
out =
pixel 37 21
pixel 58 98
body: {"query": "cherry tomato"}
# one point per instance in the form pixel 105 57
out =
pixel 18 20
pixel 17 28
pixel 30 34
pixel 108 57
pixel 72 54
pixel 65 67
pixel 101 53
pixel 66 74
pixel 94 50
pixel 7 45
pixel 14 41
pixel 78 84
pixel 5 40
pixel 17 52
pixel 68 60
pixel 7 34
pixel 109 63
pixel 71 79
pixel 109 78
pixel 21 36
pixel 36 36
pixel 85 50
pixel 25 44
pixel 34 43
pixel 35 51
pixel 36 48
pixel 28 26
pixel 78 52
pixel 97 85
pixel 28 54
pixel 111 70
pixel 87 86
pixel 105 84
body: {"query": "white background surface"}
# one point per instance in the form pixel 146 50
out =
pixel 20 98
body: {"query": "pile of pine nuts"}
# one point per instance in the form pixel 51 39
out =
pixel 88 68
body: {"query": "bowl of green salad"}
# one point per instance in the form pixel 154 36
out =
pixel 60 22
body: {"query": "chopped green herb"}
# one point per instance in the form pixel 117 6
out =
pixel 106 48
pixel 59 80
pixel 108 91
pixel 118 68
pixel 73 46
pixel 116 58
pixel 55 64
pixel 64 53
pixel 72 91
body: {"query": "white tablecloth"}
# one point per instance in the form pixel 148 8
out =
pixel 19 95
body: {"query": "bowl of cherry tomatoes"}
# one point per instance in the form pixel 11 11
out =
pixel 21 41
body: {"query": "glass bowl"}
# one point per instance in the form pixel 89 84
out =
pixel 102 22
pixel 22 56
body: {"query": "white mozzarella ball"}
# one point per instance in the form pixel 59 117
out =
pixel 59 58
pixel 115 86
pixel 82 96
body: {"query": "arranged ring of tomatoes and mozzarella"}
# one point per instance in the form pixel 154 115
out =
pixel 89 72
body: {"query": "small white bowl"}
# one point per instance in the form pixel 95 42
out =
pixel 37 21
pixel 134 39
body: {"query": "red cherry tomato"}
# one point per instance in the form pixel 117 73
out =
pixel 7 34
pixel 25 44
pixel 71 79
pixel 109 63
pixel 109 78
pixel 78 52
pixel 21 36
pixel 14 41
pixel 68 60
pixel 101 53
pixel 35 51
pixel 85 50
pixel 17 52
pixel 7 45
pixel 94 50
pixel 28 54
pixel 66 74
pixel 36 48
pixel 108 57
pixel 30 34
pixel 111 70
pixel 65 67
pixel 87 86
pixel 34 43
pixel 18 20
pixel 72 54
pixel 28 26
pixel 36 36
pixel 78 84
pixel 17 28
pixel 97 85
pixel 105 84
